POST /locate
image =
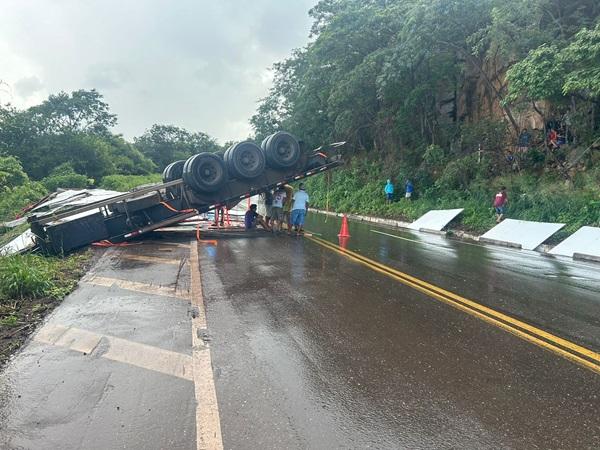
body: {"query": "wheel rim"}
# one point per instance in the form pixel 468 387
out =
pixel 208 172
pixel 249 159
pixel 284 151
pixel 246 160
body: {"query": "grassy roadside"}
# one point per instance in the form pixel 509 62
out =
pixel 31 286
pixel 358 188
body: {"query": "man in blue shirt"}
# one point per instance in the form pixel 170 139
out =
pixel 389 191
pixel 251 218
pixel 299 209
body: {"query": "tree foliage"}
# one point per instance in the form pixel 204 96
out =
pixel 11 173
pixel 68 128
pixel 581 59
pixel 164 144
pixel 393 77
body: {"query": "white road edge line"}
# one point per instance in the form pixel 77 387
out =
pixel 433 244
pixel 496 248
pixel 208 424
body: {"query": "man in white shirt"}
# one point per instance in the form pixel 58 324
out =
pixel 299 209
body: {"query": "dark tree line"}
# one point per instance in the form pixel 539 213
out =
pixel 71 134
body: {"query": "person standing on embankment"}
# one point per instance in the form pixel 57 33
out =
pixel 500 202
pixel 389 191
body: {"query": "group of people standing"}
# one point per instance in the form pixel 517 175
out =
pixel 499 204
pixel 389 191
pixel 282 206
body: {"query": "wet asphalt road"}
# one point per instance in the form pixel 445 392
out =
pixel 557 294
pixel 311 350
pixel 110 368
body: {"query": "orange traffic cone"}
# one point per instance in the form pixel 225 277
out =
pixel 344 229
pixel 343 240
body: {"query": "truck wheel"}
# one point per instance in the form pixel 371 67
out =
pixel 205 172
pixel 165 174
pixel 281 150
pixel 173 171
pixel 245 160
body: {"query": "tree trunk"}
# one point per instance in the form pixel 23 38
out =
pixel 543 116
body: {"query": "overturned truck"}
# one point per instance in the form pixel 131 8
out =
pixel 204 182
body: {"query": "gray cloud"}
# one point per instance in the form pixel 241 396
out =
pixel 194 63
pixel 28 85
pixel 106 76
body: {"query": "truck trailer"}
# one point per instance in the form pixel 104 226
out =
pixel 203 182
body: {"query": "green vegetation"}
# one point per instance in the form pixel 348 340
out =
pixel 359 189
pixel 440 91
pixel 164 144
pixel 66 142
pixel 30 287
pixel 35 276
pixel 16 189
pixel 124 183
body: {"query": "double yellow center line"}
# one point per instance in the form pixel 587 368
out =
pixel 567 349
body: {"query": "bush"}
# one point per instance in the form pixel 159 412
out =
pixel 125 183
pixel 24 276
pixel 13 200
pixel 64 176
pixel 35 276
pixel 11 173
pixel 463 183
pixel 69 181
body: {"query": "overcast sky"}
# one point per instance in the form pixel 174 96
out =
pixel 198 64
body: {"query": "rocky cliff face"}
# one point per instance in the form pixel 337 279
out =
pixel 475 100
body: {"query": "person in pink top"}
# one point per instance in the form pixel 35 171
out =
pixel 500 204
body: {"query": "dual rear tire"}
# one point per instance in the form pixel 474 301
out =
pixel 205 172
pixel 281 150
pixel 245 160
pixel 173 171
pixel 208 172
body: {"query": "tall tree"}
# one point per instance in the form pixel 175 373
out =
pixel 164 144
pixel 68 128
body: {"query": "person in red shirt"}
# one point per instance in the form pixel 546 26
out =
pixel 553 139
pixel 500 204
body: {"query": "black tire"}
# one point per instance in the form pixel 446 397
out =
pixel 263 144
pixel 166 173
pixel 282 150
pixel 205 172
pixel 173 171
pixel 245 160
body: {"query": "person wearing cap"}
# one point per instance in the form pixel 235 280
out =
pixel 251 218
pixel 299 209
